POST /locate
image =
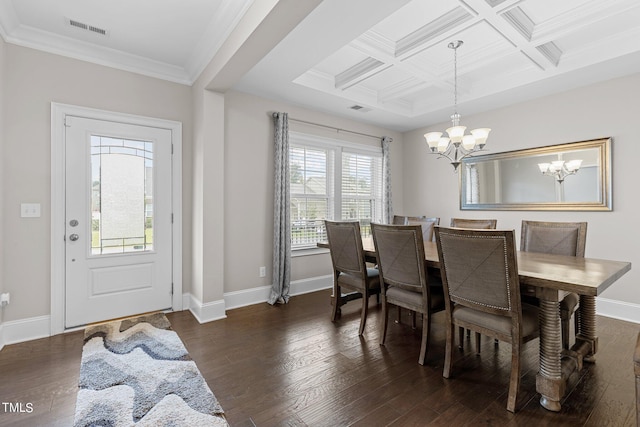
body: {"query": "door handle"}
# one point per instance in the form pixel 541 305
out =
pixel 74 237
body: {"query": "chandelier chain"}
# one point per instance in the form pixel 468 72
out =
pixel 455 80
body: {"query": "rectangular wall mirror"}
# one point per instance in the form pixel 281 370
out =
pixel 568 177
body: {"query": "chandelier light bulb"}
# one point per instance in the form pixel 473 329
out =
pixel 559 169
pixel 574 165
pixel 468 142
pixel 443 144
pixel 481 135
pixel 433 138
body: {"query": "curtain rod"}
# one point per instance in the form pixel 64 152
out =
pixel 335 128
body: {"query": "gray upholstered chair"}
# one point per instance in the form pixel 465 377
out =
pixel 350 271
pixel 478 224
pixel 482 293
pixel 426 223
pixel 403 277
pixel 558 238
pixel 399 220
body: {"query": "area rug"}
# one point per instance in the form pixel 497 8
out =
pixel 137 372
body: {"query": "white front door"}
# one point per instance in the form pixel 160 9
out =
pixel 118 258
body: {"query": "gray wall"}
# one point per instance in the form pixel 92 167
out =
pixel 248 197
pixel 32 80
pixel 600 110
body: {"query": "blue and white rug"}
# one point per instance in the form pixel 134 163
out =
pixel 137 372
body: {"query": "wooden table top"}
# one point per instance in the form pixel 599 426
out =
pixel 587 276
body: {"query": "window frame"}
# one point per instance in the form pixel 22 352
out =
pixel 334 180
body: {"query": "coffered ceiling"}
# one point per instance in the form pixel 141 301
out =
pixel 400 71
pixel 379 61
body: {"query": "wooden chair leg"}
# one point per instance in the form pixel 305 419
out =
pixel 514 382
pixel 478 342
pixel 384 320
pixel 413 319
pixel 448 351
pixel 461 337
pixel 426 332
pixel 399 319
pixel 336 303
pixel 363 312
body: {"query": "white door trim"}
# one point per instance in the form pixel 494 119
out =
pixel 58 114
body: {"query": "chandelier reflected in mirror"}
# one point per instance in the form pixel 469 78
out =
pixel 457 145
pixel 559 169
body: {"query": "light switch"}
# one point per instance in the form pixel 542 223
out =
pixel 30 210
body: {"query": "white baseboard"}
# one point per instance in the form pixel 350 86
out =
pixel 24 330
pixel 618 310
pixel 206 312
pixel 215 310
pixel 246 297
pixel 261 294
pixel 305 286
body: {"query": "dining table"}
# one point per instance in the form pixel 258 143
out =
pixel 549 278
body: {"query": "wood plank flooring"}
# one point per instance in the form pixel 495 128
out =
pixel 289 365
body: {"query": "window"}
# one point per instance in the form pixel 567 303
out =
pixel 333 180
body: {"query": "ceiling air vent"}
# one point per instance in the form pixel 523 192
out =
pixel 360 108
pixel 86 27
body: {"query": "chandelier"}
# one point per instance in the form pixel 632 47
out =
pixel 457 145
pixel 560 169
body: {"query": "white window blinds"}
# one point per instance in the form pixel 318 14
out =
pixel 334 181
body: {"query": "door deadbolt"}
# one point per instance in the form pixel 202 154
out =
pixel 73 223
pixel 74 237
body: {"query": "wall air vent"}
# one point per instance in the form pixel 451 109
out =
pixel 87 27
pixel 360 108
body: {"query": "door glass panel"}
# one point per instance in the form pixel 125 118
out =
pixel 121 195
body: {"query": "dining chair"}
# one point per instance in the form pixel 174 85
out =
pixel 403 277
pixel 350 270
pixel 477 224
pixel 482 293
pixel 489 224
pixel 558 238
pixel 427 224
pixel 399 220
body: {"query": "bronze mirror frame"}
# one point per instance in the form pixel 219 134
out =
pixel 602 175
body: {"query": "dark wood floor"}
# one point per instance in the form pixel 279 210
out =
pixel 289 365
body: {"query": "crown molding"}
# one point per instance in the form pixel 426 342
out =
pixel 225 19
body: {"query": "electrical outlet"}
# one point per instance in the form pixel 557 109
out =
pixel 30 210
pixel 263 271
pixel 5 299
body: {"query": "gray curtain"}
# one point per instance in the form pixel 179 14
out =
pixel 387 205
pixel 281 214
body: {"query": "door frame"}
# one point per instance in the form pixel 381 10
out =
pixel 58 194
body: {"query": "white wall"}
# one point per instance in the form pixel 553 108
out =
pixel 248 199
pixel 32 80
pixel 605 109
